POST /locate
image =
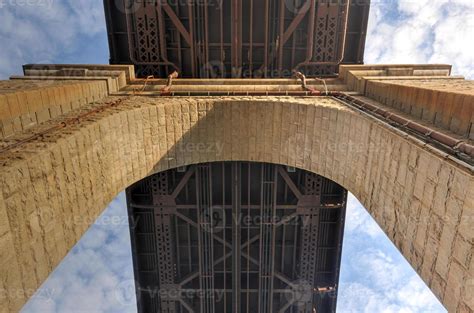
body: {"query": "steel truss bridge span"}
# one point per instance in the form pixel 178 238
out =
pixel 236 237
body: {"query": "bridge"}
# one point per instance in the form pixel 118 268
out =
pixel 399 137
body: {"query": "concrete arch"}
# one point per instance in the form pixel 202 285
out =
pixel 417 195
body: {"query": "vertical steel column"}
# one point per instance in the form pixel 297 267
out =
pixel 161 36
pixel 236 237
pixel 206 35
pixel 236 30
pixel 201 37
pixel 325 43
pixel 309 234
pixel 267 238
pixel 265 53
pixel 205 237
pixel 146 25
pixel 164 240
pixel 340 237
pixel 250 54
pixel 281 43
pixel 191 33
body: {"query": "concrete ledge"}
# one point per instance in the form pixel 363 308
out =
pixel 427 69
pixel 112 84
pixel 128 69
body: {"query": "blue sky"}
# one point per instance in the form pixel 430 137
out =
pixel 96 276
pixel 374 276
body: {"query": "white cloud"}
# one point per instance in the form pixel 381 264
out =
pixel 90 15
pixel 41 33
pixel 383 268
pixel 413 297
pixel 359 220
pixel 87 279
pixel 98 240
pixel 374 276
pixel 422 31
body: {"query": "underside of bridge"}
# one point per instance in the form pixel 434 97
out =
pixel 236 38
pixel 236 237
pixel 233 236
pixel 275 82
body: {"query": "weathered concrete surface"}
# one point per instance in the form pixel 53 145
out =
pixel 24 104
pixel 48 91
pixel 446 103
pixel 53 187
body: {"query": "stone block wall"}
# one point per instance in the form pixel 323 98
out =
pixel 48 91
pixel 446 103
pixel 53 187
pixel 24 104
